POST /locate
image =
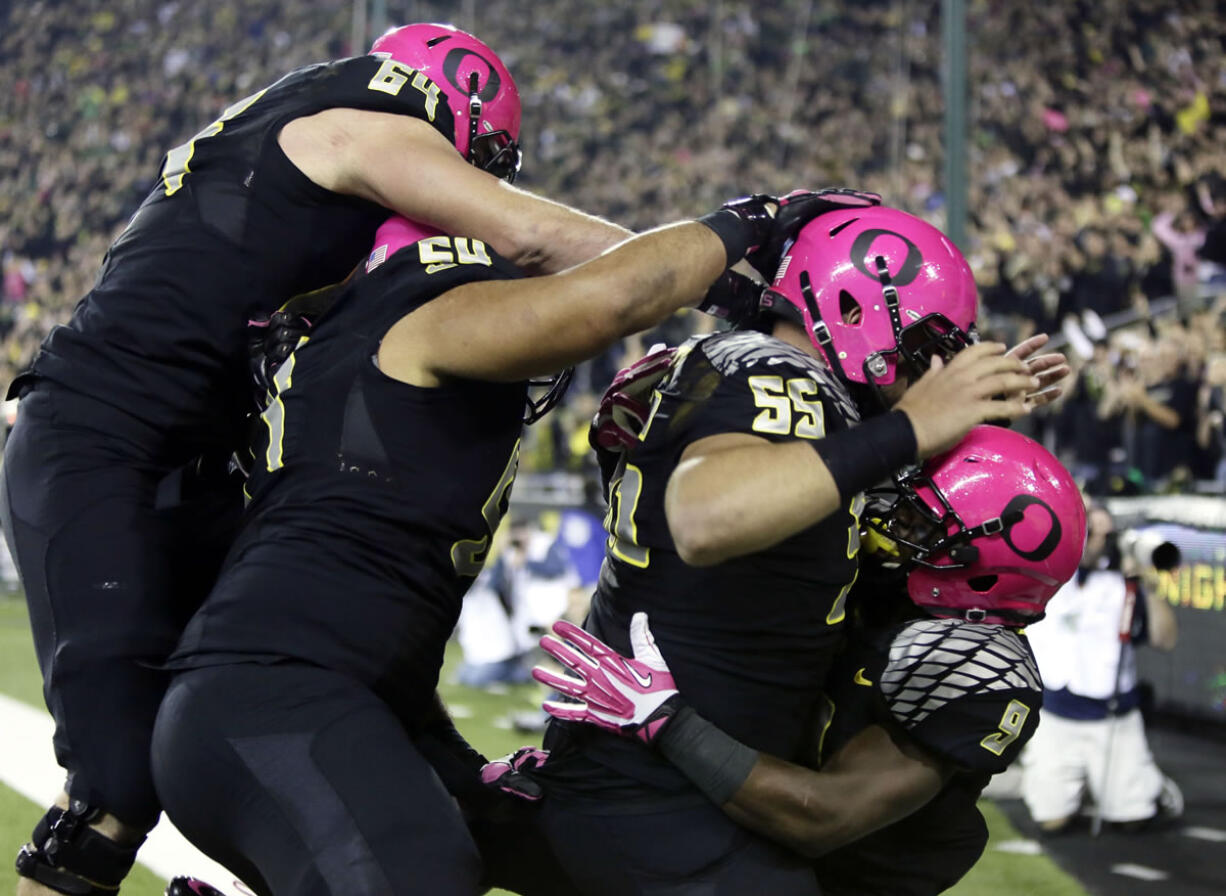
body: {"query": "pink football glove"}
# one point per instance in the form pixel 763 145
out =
pixel 633 697
pixel 626 403
pixel 508 773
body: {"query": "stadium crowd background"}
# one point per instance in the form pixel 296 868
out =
pixel 1097 152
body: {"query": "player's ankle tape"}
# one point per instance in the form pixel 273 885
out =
pixel 861 457
pixel 716 763
pixel 735 232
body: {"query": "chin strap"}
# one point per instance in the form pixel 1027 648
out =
pixel 70 857
pixel 999 615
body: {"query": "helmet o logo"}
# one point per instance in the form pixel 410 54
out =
pixel 456 58
pixel 1016 509
pixel 864 242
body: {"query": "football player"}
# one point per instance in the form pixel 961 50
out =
pixel 280 195
pixel 734 522
pixel 936 691
pixel 295 742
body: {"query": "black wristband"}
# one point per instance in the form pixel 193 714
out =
pixel 861 457
pixel 735 232
pixel 716 763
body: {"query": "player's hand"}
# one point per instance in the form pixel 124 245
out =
pixel 980 384
pixel 1050 368
pixel 508 773
pixel 623 410
pixel 794 211
pixel 269 342
pixel 633 697
pixel 758 211
pixel 733 297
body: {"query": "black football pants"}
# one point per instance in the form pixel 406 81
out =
pixel 696 851
pixel 110 579
pixel 304 783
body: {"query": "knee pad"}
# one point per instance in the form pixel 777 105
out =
pixel 70 857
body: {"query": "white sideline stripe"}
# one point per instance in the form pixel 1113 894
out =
pixel 1020 847
pixel 1213 835
pixel 27 764
pixel 1140 872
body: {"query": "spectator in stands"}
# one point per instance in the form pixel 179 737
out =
pixel 1180 232
pixel 648 96
pixel 1211 417
pixel 1091 425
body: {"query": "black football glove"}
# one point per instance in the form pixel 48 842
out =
pixel 758 211
pixel 795 210
pixel 733 297
pixel 269 342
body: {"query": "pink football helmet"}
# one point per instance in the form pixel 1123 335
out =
pixel 394 234
pixel 989 530
pixel 875 286
pixel 476 85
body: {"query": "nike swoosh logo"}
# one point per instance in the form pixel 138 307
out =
pixel 860 679
pixel 644 683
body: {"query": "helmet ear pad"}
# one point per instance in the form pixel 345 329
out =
pixel 859 279
pixel 476 85
pixel 1009 528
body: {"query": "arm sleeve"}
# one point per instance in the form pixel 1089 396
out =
pixel 969 693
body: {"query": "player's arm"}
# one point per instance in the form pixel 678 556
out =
pixel 510 330
pixel 874 780
pixel 1161 627
pixel 734 493
pixel 406 165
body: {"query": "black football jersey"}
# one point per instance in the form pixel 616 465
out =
pixel 748 640
pixel 968 693
pixel 230 231
pixel 372 501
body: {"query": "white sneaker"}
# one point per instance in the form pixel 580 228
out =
pixel 1170 799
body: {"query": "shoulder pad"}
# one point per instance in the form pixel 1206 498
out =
pixel 933 662
pixel 735 350
pixel 739 352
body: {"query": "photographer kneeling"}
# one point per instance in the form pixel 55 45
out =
pixel 1092 736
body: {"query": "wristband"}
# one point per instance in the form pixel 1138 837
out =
pixel 860 457
pixel 716 763
pixel 734 232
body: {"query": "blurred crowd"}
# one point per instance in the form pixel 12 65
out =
pixel 1096 192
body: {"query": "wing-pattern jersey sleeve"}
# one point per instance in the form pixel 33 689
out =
pixel 968 692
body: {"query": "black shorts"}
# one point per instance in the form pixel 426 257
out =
pixel 112 566
pixel 303 783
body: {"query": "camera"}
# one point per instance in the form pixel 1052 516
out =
pixel 1148 550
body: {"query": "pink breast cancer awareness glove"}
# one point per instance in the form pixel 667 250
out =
pixel 632 697
pixel 510 773
pixel 626 403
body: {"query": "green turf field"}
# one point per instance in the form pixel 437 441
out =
pixel 484 718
